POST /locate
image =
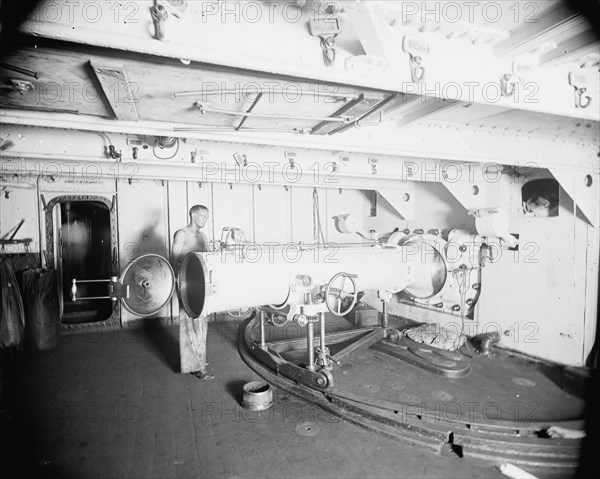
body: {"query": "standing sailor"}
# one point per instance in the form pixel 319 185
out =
pixel 192 331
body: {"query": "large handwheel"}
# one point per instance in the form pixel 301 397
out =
pixel 338 294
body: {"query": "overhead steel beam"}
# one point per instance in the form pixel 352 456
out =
pixel 554 25
pixel 297 54
pixel 372 29
pixel 420 108
pixel 573 49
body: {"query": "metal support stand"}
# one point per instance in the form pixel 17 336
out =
pixel 263 343
pixel 323 350
pixel 384 318
pixel 310 346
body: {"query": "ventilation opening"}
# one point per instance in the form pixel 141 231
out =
pixel 540 198
pixel 84 249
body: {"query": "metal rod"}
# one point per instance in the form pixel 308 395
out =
pixel 361 343
pixel 24 241
pixel 17 228
pixel 310 345
pixel 263 344
pixel 204 109
pixel 93 297
pixel 24 71
pixel 384 315
pixel 334 338
pixel 231 128
pixel 93 280
pixel 249 110
pixel 41 108
pixel 322 331
pixel 256 91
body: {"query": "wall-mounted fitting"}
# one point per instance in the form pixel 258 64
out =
pixel 326 28
pixel 112 153
pixel 508 83
pixel 493 222
pixel 241 159
pixel 166 141
pixel 134 152
pixel 291 157
pixel 350 223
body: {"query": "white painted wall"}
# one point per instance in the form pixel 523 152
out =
pixel 557 294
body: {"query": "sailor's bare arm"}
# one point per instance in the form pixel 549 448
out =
pixel 179 241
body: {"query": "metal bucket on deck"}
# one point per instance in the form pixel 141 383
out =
pixel 258 396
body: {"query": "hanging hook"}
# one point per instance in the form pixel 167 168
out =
pixel 159 17
pixel 507 84
pixel 417 70
pixel 416 49
pixel 579 95
pixel 328 47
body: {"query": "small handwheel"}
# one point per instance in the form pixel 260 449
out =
pixel 324 379
pixel 338 294
pixel 238 313
pixel 277 320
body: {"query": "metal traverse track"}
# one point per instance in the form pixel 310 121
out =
pixel 518 442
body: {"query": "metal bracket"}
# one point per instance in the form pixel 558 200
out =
pixel 326 28
pixel 115 289
pixel 212 288
pixel 118 290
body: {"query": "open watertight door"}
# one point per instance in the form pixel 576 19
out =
pixel 146 285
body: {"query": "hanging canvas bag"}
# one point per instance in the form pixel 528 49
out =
pixel 12 316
